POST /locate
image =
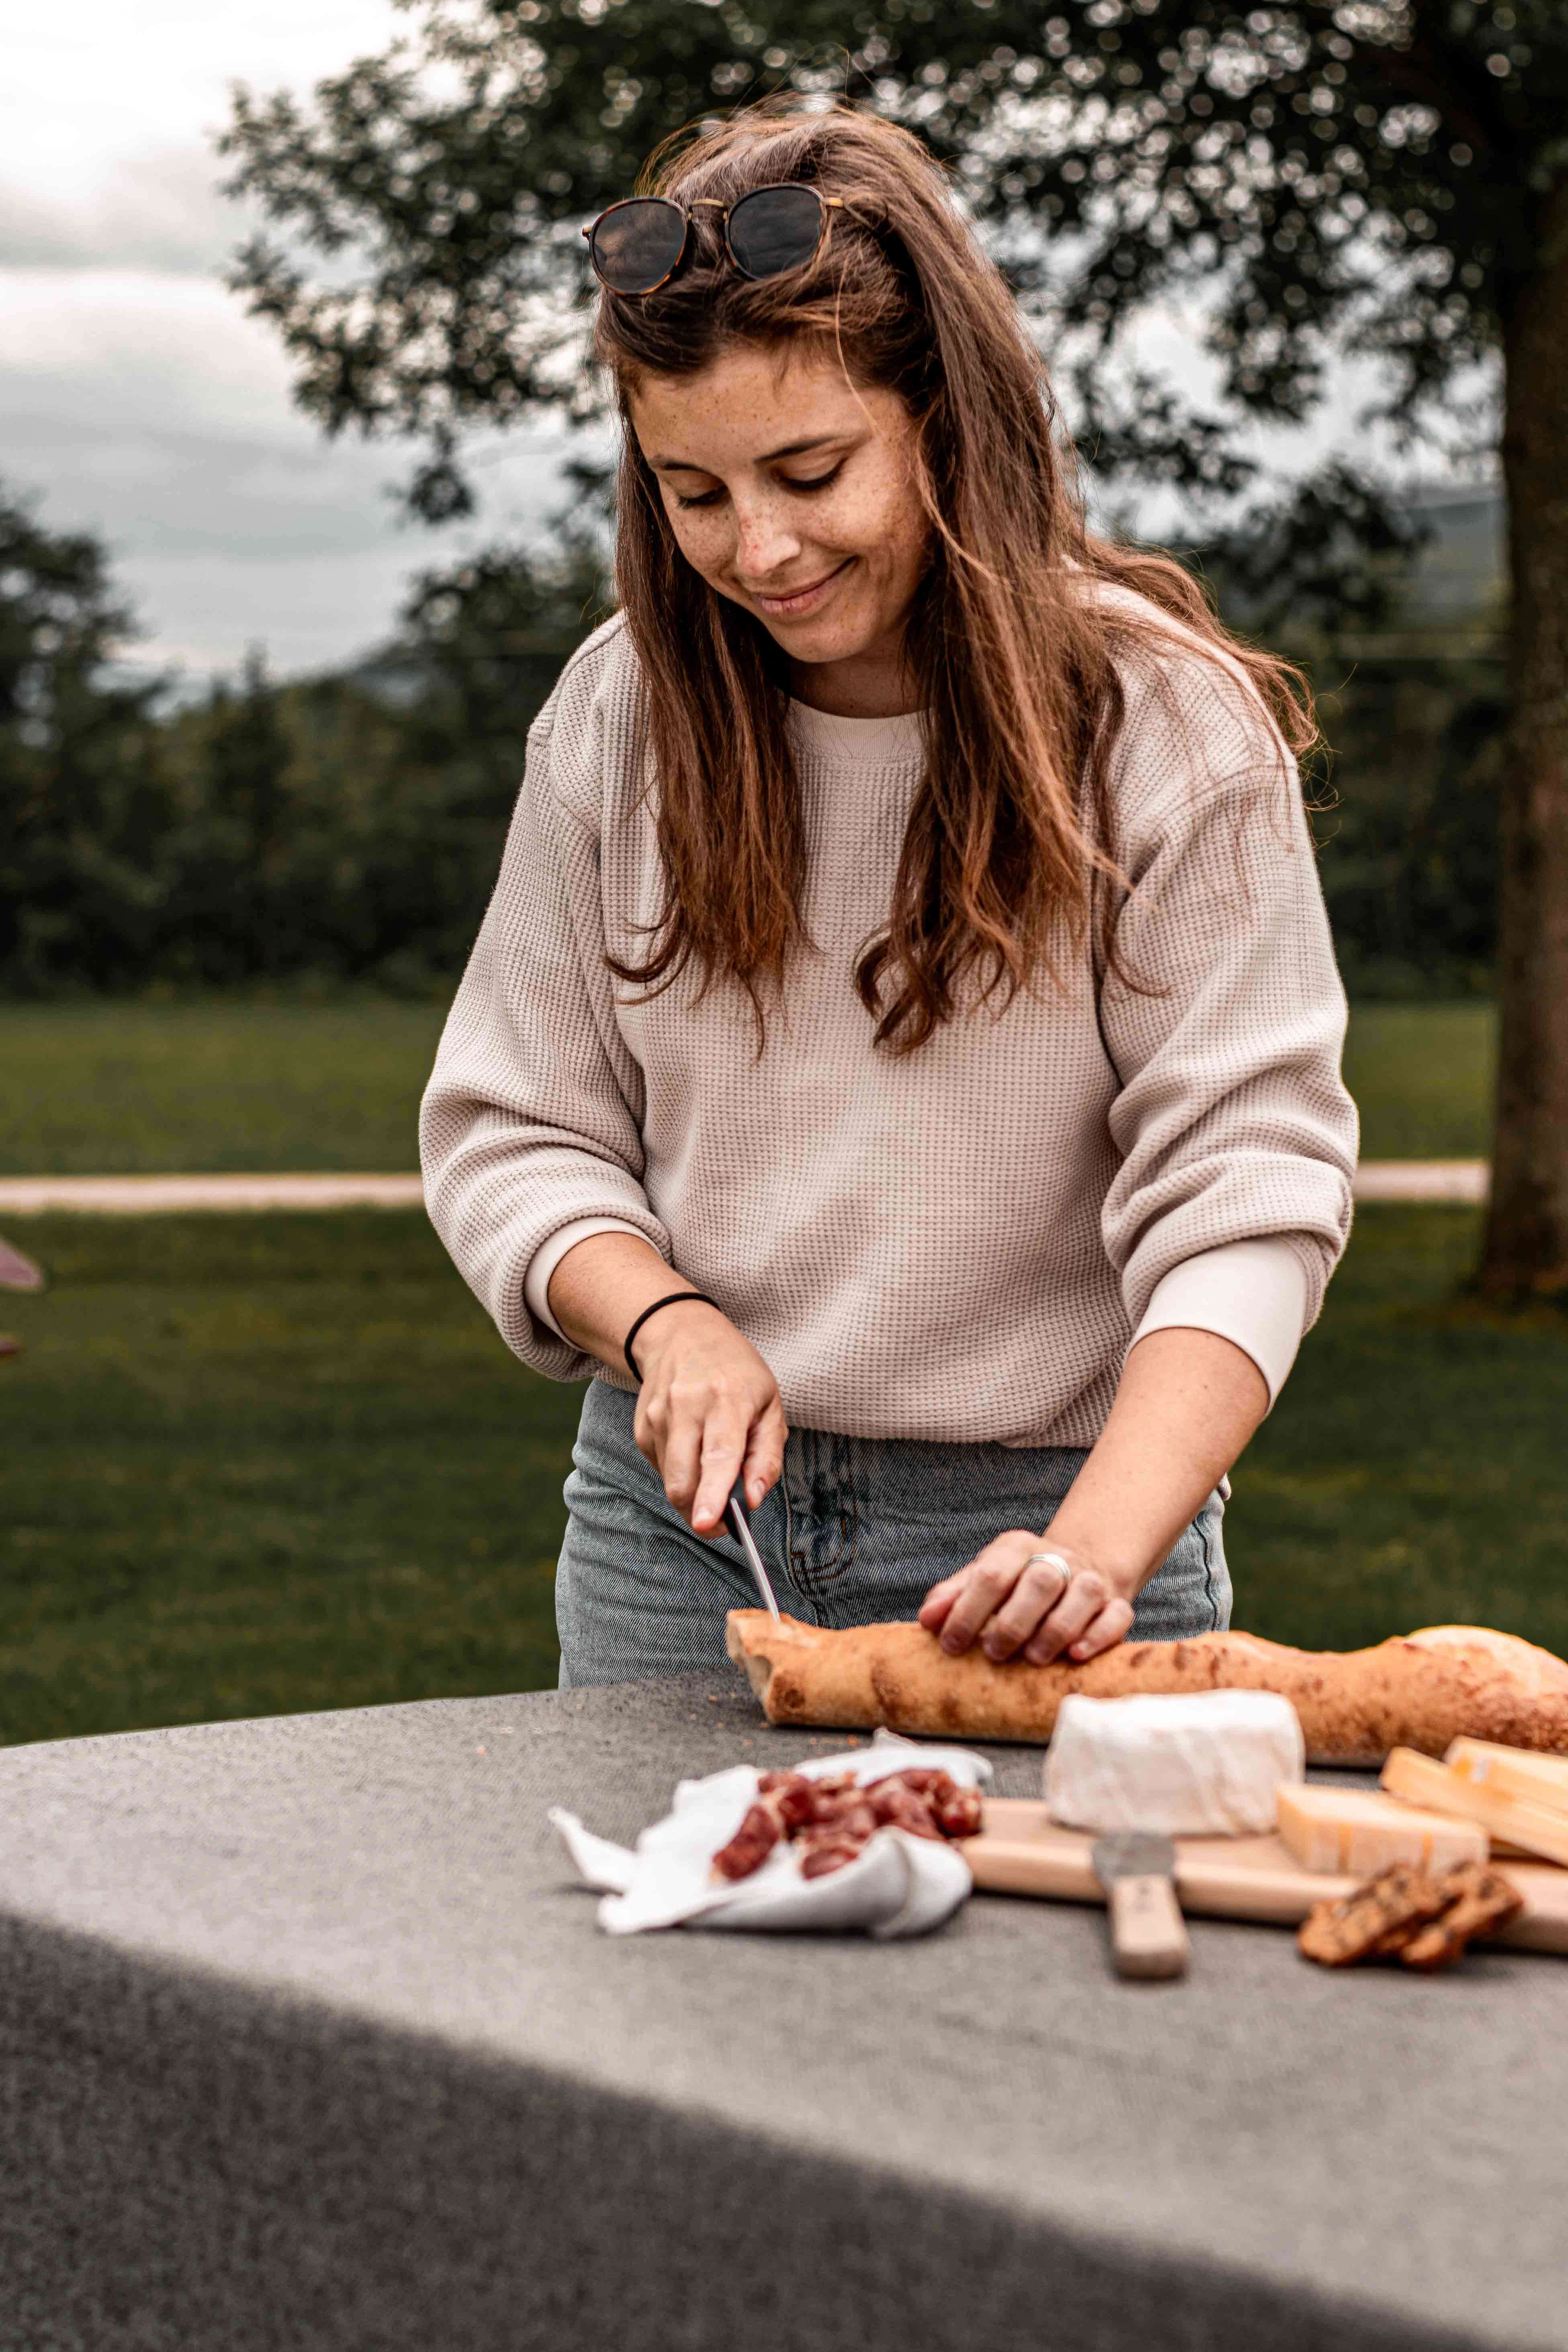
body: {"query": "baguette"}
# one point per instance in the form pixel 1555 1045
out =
pixel 1419 1690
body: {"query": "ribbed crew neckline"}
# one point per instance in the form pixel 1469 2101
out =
pixel 858 740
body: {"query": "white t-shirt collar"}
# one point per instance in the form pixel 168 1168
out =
pixel 860 740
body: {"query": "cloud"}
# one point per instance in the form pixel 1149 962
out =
pixel 136 398
pixel 306 609
pixel 89 88
pixel 148 408
pixel 138 347
pixel 107 114
pixel 160 212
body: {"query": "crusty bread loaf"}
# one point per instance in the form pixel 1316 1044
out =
pixel 1419 1690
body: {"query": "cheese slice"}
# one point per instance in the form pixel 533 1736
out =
pixel 1516 1771
pixel 1358 1831
pixel 1421 1780
pixel 1206 1765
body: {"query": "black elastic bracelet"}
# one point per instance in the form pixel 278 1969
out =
pixel 674 1299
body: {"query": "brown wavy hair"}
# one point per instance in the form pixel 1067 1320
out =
pixel 1012 835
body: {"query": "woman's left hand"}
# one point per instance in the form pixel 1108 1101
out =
pixel 1023 1593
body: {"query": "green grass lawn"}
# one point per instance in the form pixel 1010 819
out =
pixel 259 1464
pixel 256 1464
pixel 1414 1471
pixel 1423 1077
pixel 112 1088
pixel 123 1088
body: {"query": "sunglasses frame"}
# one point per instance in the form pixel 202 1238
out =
pixel 827 207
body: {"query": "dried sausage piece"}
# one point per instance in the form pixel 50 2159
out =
pixel 955 1810
pixel 791 1795
pixel 829 1819
pixel 848 1810
pixel 904 1809
pixel 830 1798
pixel 856 1820
pixel 959 1816
pixel 750 1845
pixel 829 1854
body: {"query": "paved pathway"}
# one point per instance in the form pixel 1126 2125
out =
pixel 26 1195
pixel 1377 1180
pixel 1422 1180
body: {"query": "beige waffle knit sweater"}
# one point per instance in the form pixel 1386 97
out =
pixel 959 1244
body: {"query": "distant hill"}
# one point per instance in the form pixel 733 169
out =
pixel 1454 600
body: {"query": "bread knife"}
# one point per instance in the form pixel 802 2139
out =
pixel 1148 1934
pixel 740 1527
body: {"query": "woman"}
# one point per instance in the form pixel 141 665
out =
pixel 900 1057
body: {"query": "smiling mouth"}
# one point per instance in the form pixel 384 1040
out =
pixel 800 600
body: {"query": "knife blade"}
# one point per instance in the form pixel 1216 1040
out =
pixel 740 1527
pixel 1148 1934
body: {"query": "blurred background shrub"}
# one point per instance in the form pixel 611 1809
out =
pixel 334 828
pixel 347 827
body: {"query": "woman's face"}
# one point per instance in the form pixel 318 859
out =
pixel 792 491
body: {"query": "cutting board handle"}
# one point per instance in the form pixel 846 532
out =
pixel 1148 1933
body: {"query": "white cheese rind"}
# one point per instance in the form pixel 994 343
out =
pixel 1204 1766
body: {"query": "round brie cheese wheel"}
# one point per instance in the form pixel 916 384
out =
pixel 1204 1766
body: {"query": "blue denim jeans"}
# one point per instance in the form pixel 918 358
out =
pixel 856 1532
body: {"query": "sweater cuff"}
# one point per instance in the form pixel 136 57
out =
pixel 548 1255
pixel 1252 1293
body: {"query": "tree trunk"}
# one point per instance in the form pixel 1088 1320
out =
pixel 1527 1232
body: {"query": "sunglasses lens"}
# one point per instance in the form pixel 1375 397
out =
pixel 637 245
pixel 775 229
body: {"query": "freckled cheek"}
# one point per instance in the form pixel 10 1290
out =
pixel 706 547
pixel 859 526
pixel 885 515
pixel 893 541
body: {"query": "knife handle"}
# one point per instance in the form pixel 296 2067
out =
pixel 1148 1933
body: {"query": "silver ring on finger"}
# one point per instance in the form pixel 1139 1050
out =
pixel 1051 1560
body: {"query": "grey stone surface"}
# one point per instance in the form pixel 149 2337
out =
pixel 307 2040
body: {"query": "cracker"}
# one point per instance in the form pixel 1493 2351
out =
pixel 1479 1902
pixel 1377 1918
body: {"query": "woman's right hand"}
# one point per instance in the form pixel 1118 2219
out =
pixel 709 1411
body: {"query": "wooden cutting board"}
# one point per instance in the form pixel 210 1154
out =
pixel 1021 1850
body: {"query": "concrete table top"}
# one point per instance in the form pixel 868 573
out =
pixel 306 2040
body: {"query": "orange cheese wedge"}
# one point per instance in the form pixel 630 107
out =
pixel 1440 1789
pixel 1356 1833
pixel 1534 1779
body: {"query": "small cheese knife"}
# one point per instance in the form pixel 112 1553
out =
pixel 741 1529
pixel 1148 1934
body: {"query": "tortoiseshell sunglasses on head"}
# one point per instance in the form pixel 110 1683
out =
pixel 637 246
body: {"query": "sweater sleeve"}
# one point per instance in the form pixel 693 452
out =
pixel 548 1255
pixel 532 1119
pixel 1253 1293
pixel 1225 1028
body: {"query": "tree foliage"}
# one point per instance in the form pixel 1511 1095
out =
pixel 338 828
pixel 77 789
pixel 347 829
pixel 1385 179
pixel 1330 175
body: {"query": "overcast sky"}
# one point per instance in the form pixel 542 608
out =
pixel 136 397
